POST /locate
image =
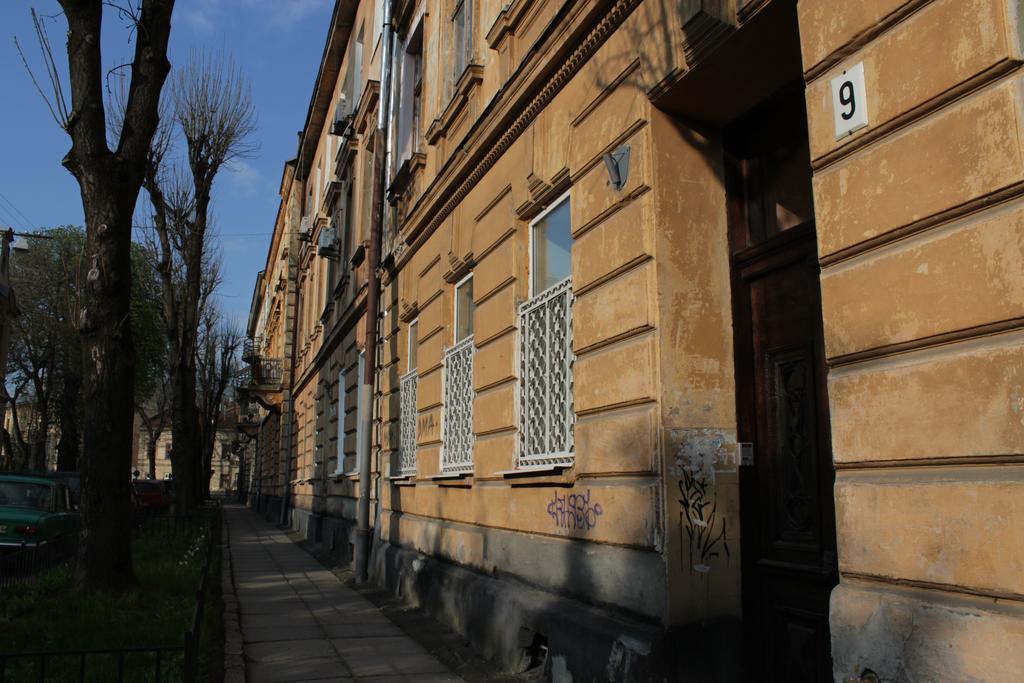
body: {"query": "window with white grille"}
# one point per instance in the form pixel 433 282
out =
pixel 457 432
pixel 360 410
pixel 407 407
pixel 545 326
pixel 339 465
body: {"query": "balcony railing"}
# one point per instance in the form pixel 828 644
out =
pixel 252 347
pixel 262 374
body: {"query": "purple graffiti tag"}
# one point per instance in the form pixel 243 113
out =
pixel 574 511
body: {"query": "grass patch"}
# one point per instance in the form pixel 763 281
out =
pixel 48 614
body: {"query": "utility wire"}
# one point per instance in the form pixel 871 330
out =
pixel 10 218
pixel 28 221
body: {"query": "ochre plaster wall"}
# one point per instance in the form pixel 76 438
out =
pixel 919 235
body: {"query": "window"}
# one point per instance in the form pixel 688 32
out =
pixel 339 465
pixel 462 37
pixel 551 241
pixel 407 406
pixel 351 88
pixel 408 87
pixel 457 426
pixel 464 309
pixel 360 408
pixel 545 323
pixel 414 345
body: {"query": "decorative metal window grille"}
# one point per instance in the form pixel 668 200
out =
pixel 545 398
pixel 457 454
pixel 407 424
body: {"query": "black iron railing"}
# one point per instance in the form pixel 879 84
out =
pixel 114 664
pixel 252 348
pixel 20 565
pixel 262 372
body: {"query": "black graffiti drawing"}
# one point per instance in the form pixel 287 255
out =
pixel 574 511
pixel 699 517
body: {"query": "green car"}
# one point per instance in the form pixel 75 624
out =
pixel 35 510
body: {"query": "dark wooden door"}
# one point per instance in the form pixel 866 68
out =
pixel 787 507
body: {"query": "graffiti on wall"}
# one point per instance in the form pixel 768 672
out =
pixel 574 511
pixel 702 528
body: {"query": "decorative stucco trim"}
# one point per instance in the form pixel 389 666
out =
pixel 613 18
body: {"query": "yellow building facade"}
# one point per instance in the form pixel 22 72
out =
pixel 699 337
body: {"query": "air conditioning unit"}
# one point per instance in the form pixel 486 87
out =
pixel 342 115
pixel 327 246
pixel 306 229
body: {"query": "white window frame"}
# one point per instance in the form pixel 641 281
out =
pixel 455 332
pixel 458 461
pixel 339 466
pixel 561 457
pixel 409 382
pixel 532 247
pixel 360 407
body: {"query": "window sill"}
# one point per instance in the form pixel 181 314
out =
pixel 533 470
pixel 450 475
pixel 402 479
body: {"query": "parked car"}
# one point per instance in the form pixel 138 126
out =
pixel 150 495
pixel 74 482
pixel 35 510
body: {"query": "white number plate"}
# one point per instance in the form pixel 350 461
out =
pixel 849 101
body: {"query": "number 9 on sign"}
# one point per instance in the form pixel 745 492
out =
pixel 849 101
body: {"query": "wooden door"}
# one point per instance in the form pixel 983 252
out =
pixel 786 497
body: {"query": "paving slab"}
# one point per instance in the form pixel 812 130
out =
pixel 300 623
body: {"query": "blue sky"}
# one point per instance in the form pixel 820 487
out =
pixel 278 43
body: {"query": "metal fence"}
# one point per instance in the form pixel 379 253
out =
pixel 21 565
pixel 162 660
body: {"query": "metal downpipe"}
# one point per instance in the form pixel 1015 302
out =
pixel 368 380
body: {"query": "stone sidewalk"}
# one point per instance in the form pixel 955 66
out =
pixel 299 623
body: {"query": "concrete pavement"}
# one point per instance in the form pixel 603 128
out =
pixel 300 623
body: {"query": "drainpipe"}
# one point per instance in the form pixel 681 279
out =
pixel 368 380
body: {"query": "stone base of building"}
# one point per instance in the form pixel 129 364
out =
pixel 334 536
pixel 520 627
pixel 268 506
pixel 901 633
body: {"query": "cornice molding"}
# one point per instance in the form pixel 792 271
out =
pixel 506 22
pixel 482 157
pixel 458 267
pixel 367 105
pixel 464 87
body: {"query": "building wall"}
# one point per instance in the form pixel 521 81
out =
pixel 919 245
pixel 919 236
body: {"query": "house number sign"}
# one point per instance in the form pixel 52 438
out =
pixel 849 101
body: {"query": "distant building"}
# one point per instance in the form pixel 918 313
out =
pixel 27 417
pixel 227 460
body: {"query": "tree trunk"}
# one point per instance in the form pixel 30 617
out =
pixel 67 448
pixel 108 357
pixel 109 183
pixel 185 453
pixel 151 457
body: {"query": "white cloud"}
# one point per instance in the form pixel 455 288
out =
pixel 203 16
pixel 245 179
pixel 200 18
pixel 285 13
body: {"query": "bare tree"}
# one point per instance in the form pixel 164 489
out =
pixel 217 363
pixel 109 179
pixel 153 415
pixel 213 109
